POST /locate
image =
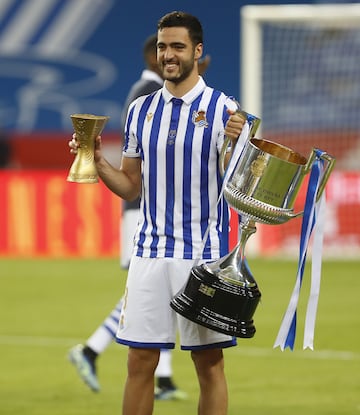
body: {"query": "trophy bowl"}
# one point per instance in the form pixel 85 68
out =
pixel 87 127
pixel 262 187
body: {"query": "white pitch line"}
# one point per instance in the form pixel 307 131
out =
pixel 37 341
pixel 11 340
pixel 298 354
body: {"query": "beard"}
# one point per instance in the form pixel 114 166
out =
pixel 185 69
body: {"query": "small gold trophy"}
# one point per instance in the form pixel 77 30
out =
pixel 87 127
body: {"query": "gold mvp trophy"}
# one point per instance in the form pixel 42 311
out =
pixel 262 187
pixel 87 127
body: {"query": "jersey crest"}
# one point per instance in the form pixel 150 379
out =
pixel 199 119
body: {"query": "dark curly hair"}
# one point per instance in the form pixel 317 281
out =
pixel 182 19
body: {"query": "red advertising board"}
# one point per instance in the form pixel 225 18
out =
pixel 44 215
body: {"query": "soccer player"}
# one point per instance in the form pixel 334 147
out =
pixel 85 357
pixel 150 81
pixel 170 157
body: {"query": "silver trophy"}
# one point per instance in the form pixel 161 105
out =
pixel 262 187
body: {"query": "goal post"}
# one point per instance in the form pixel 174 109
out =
pixel 253 17
pixel 300 74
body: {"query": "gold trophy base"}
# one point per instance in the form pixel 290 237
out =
pixel 76 177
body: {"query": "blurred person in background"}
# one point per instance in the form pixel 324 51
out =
pixel 5 150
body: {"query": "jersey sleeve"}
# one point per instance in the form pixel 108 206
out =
pixel 131 147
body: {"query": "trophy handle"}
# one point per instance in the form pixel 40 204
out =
pixel 254 123
pixel 330 163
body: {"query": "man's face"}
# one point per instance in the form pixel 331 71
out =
pixel 176 54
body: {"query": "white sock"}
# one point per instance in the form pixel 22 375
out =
pixel 105 334
pixel 164 368
pixel 100 339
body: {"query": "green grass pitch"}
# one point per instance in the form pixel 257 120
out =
pixel 48 305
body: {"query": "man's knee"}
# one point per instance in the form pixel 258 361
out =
pixel 207 361
pixel 142 360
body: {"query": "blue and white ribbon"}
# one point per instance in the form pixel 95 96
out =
pixel 239 147
pixel 314 213
pixel 315 275
pixel 235 157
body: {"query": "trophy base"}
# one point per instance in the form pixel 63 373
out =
pixel 223 306
pixel 77 178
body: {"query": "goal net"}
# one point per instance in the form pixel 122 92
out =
pixel 300 73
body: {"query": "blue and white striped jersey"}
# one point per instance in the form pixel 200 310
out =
pixel 179 141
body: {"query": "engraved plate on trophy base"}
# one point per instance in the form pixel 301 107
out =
pixel 220 305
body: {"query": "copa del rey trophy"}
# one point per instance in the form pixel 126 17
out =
pixel 261 184
pixel 87 127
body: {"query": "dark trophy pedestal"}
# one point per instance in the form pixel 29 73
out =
pixel 222 295
pixel 218 304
